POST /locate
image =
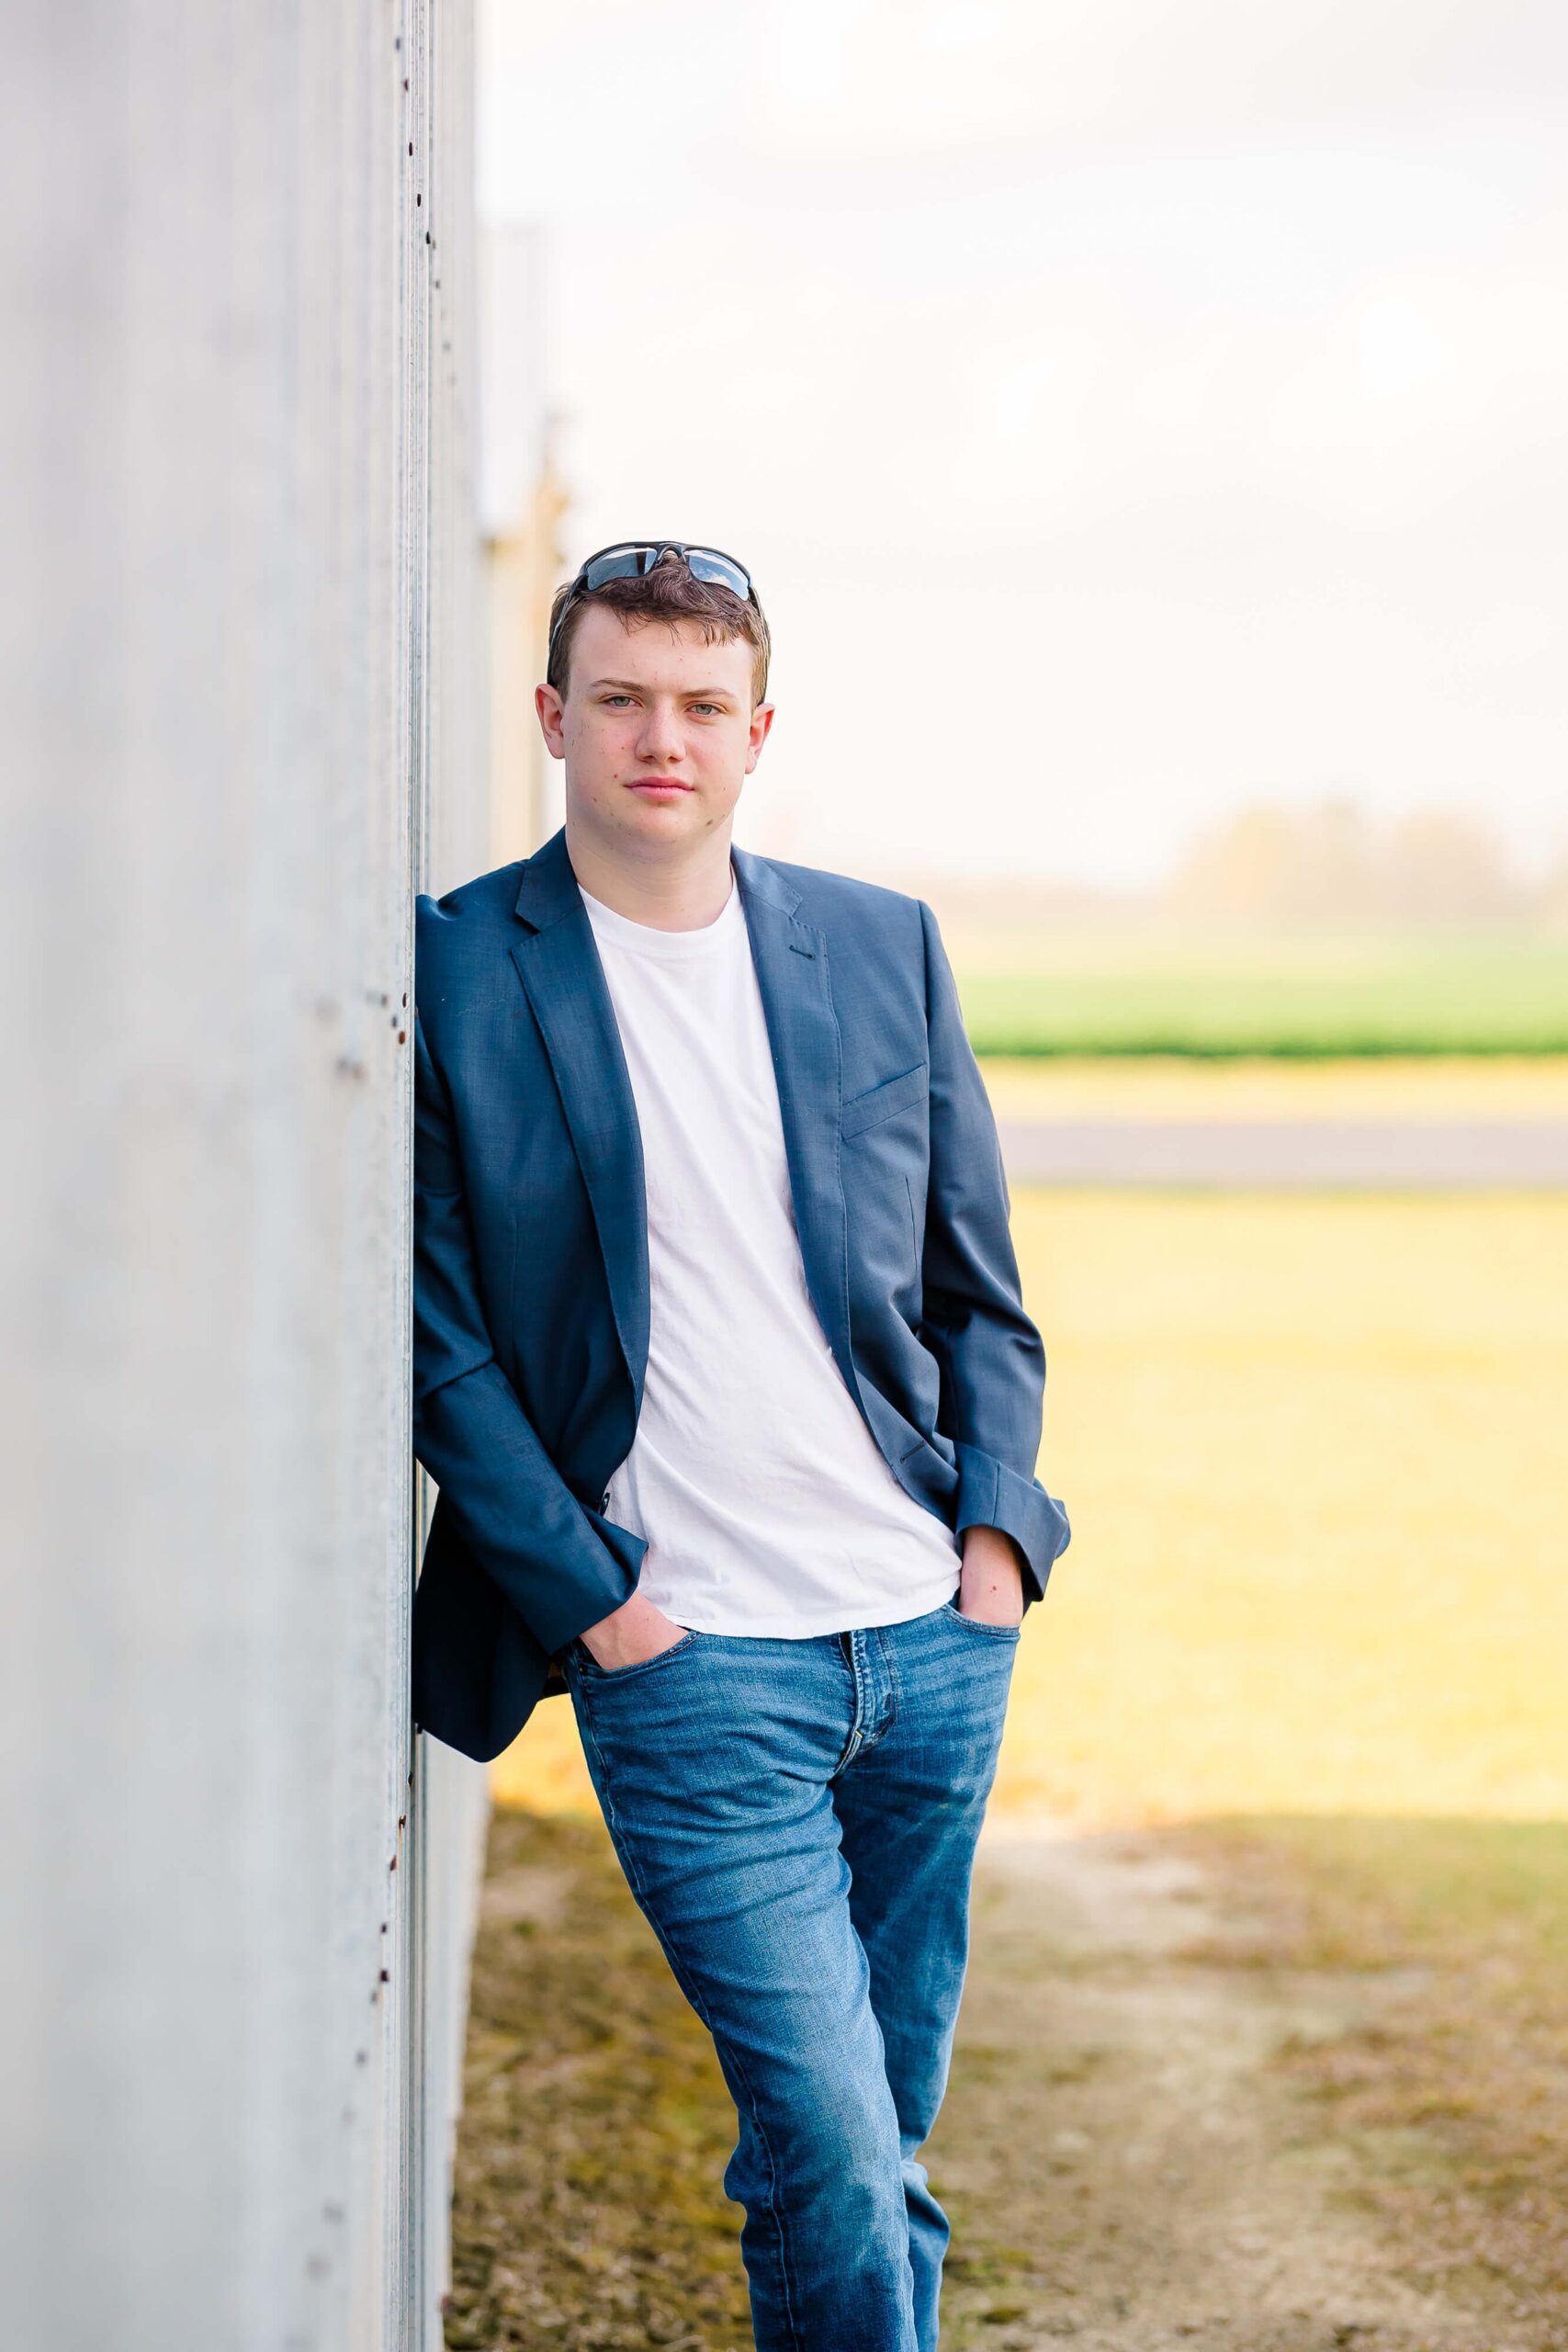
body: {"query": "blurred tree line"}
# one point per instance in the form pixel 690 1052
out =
pixel 1330 864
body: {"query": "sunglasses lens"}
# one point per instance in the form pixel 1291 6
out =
pixel 616 563
pixel 706 563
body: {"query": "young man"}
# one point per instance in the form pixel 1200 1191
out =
pixel 722 1373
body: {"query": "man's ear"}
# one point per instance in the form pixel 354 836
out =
pixel 761 721
pixel 551 710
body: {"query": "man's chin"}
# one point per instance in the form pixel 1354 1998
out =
pixel 668 819
pixel 661 812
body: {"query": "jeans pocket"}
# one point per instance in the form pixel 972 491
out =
pixel 982 1631
pixel 592 1672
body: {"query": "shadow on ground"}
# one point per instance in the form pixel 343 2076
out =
pixel 1277 2087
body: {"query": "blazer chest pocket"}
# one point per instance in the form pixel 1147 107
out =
pixel 884 1102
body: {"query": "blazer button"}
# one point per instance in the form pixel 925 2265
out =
pixel 605 1500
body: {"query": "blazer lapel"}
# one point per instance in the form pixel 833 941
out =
pixel 559 967
pixel 791 961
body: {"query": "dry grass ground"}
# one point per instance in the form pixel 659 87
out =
pixel 596 2125
pixel 1296 2081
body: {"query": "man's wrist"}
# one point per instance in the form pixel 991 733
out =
pixel 637 1629
pixel 991 1580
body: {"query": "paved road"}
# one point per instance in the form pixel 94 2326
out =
pixel 1285 1155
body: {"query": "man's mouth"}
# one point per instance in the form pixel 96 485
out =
pixel 658 784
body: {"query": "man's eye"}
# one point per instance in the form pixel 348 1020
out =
pixel 613 702
pixel 706 706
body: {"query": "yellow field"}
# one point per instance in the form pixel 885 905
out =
pixel 1315 1453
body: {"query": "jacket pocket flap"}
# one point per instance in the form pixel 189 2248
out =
pixel 880 1102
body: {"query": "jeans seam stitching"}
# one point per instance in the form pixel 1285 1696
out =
pixel 895 1693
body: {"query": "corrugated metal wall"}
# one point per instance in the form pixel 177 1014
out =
pixel 239 645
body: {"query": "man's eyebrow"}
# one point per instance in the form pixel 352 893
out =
pixel 636 686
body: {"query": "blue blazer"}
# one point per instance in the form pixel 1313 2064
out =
pixel 531 1291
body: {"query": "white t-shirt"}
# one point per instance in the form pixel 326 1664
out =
pixel 767 1505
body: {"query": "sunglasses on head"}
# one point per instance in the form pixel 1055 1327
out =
pixel 631 559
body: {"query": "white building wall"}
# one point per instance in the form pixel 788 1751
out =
pixel 239 662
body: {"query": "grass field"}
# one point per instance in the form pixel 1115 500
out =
pixel 1044 994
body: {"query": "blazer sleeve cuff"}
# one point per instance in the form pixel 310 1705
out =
pixel 990 1494
pixel 567 1609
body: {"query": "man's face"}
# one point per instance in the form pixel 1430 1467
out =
pixel 657 730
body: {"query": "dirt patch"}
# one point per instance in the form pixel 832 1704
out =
pixel 1129 2151
pixel 1148 2141
pixel 1447 2103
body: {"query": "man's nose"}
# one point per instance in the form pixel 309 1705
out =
pixel 660 739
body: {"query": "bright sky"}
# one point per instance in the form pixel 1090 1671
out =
pixel 1129 408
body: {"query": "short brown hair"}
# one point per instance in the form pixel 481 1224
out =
pixel 671 593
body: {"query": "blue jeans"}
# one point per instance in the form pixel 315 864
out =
pixel 798 1820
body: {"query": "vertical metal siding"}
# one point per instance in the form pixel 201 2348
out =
pixel 239 652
